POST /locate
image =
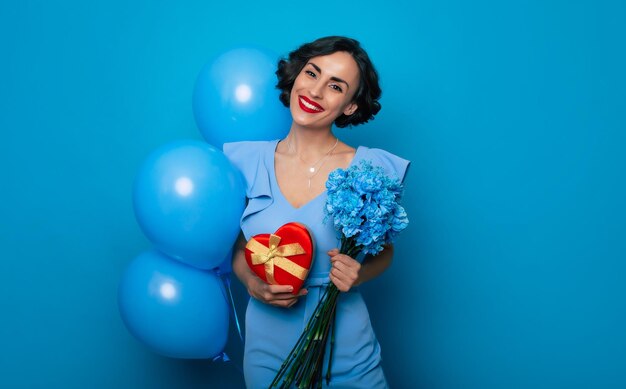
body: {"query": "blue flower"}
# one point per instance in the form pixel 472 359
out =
pixel 364 205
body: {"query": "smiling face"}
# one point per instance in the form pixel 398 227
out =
pixel 324 90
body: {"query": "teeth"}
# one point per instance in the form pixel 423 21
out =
pixel 309 105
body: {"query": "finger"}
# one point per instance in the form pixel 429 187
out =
pixel 338 283
pixel 349 267
pixel 283 303
pixel 268 296
pixel 340 276
pixel 282 296
pixel 347 278
pixel 302 292
pixel 287 296
pixel 333 252
pixel 280 288
pixel 339 266
pixel 341 258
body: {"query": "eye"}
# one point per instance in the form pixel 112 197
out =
pixel 310 73
pixel 336 87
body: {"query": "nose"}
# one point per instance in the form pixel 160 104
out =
pixel 316 89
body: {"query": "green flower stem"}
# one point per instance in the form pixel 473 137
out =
pixel 297 353
pixel 312 366
pixel 332 343
pixel 303 346
pixel 321 331
pixel 313 378
pixel 292 356
pixel 319 356
pixel 304 364
pixel 303 377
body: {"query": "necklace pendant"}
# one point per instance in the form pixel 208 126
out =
pixel 312 169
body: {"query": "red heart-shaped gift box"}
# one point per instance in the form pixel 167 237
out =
pixel 282 258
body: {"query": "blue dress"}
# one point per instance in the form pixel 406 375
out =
pixel 271 332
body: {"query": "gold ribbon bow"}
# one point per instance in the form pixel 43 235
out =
pixel 274 255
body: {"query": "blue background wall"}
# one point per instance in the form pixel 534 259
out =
pixel 512 272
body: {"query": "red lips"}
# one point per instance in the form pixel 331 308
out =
pixel 310 107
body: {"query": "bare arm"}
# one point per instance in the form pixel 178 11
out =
pixel 373 266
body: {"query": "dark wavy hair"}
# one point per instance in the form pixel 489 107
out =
pixel 366 96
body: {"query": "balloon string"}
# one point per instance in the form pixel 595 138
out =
pixel 223 357
pixel 226 279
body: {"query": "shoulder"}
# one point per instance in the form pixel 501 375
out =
pixel 391 163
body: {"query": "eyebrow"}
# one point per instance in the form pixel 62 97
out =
pixel 332 78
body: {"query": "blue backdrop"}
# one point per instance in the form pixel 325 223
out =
pixel 511 274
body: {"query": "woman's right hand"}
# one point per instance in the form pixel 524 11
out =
pixel 277 295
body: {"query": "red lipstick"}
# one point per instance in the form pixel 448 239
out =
pixel 309 106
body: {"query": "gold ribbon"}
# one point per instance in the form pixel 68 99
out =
pixel 274 255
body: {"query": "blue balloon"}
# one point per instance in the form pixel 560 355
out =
pixel 188 199
pixel 235 98
pixel 176 310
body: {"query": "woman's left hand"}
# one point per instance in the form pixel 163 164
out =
pixel 344 272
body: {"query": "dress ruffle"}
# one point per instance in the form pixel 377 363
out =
pixel 248 157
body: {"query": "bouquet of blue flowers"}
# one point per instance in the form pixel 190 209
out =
pixel 363 203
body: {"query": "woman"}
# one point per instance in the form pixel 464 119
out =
pixel 330 80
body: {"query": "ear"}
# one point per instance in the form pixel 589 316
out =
pixel 350 109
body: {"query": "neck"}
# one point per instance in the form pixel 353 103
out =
pixel 310 143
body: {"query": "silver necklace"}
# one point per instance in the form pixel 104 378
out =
pixel 314 169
